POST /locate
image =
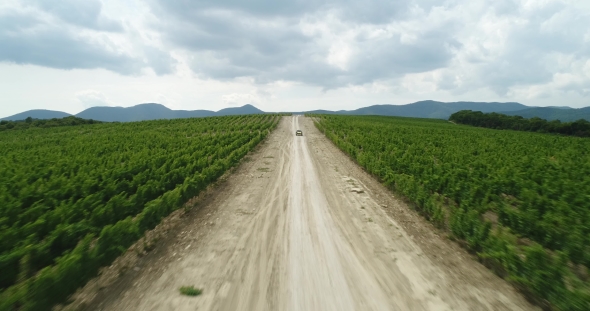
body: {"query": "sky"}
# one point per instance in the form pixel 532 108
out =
pixel 69 55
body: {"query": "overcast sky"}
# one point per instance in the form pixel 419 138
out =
pixel 69 55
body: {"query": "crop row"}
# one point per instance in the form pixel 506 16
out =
pixel 74 198
pixel 519 200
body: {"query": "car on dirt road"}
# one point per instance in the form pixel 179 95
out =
pixel 298 133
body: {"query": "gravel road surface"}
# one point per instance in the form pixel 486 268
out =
pixel 299 226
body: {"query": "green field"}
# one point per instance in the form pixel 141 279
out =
pixel 74 198
pixel 520 200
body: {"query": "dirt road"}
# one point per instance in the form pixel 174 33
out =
pixel 301 227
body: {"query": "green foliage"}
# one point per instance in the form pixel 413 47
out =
pixel 42 123
pixel 190 291
pixel 72 199
pixel 519 200
pixel 494 120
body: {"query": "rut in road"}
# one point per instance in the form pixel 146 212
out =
pixel 287 233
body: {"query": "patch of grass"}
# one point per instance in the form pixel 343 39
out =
pixel 263 169
pixel 268 157
pixel 362 207
pixel 190 291
pixel 266 163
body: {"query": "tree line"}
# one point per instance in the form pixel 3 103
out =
pixel 44 123
pixel 580 128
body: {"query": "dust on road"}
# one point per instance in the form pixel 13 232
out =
pixel 301 227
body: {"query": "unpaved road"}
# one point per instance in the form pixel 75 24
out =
pixel 301 227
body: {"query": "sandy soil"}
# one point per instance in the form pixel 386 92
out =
pixel 301 227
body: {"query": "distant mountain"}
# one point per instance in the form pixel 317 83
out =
pixel 558 107
pixel 421 109
pixel 37 114
pixel 136 113
pixel 552 113
pixel 428 109
pixel 121 114
pixel 247 109
pixel 156 111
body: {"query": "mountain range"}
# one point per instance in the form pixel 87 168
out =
pixel 421 109
pixel 428 109
pixel 140 112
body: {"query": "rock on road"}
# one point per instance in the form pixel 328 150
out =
pixel 301 227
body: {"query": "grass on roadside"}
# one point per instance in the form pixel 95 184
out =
pixel 190 291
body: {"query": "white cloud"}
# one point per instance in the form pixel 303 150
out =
pixel 93 98
pixel 341 54
pixel 85 13
pixel 256 96
pixel 75 34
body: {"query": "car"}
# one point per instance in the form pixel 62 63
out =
pixel 298 133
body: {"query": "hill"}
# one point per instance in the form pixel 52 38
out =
pixel 246 109
pixel 156 111
pixel 37 114
pixel 428 109
pixel 441 110
pixel 121 114
pixel 422 109
pixel 142 112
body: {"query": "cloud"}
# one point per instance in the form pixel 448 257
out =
pixel 510 46
pixel 93 98
pixel 318 44
pixel 160 61
pixel 28 35
pixel 85 13
pixel 50 47
pixel 239 99
pixel 504 47
pixel 368 11
pixel 498 45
